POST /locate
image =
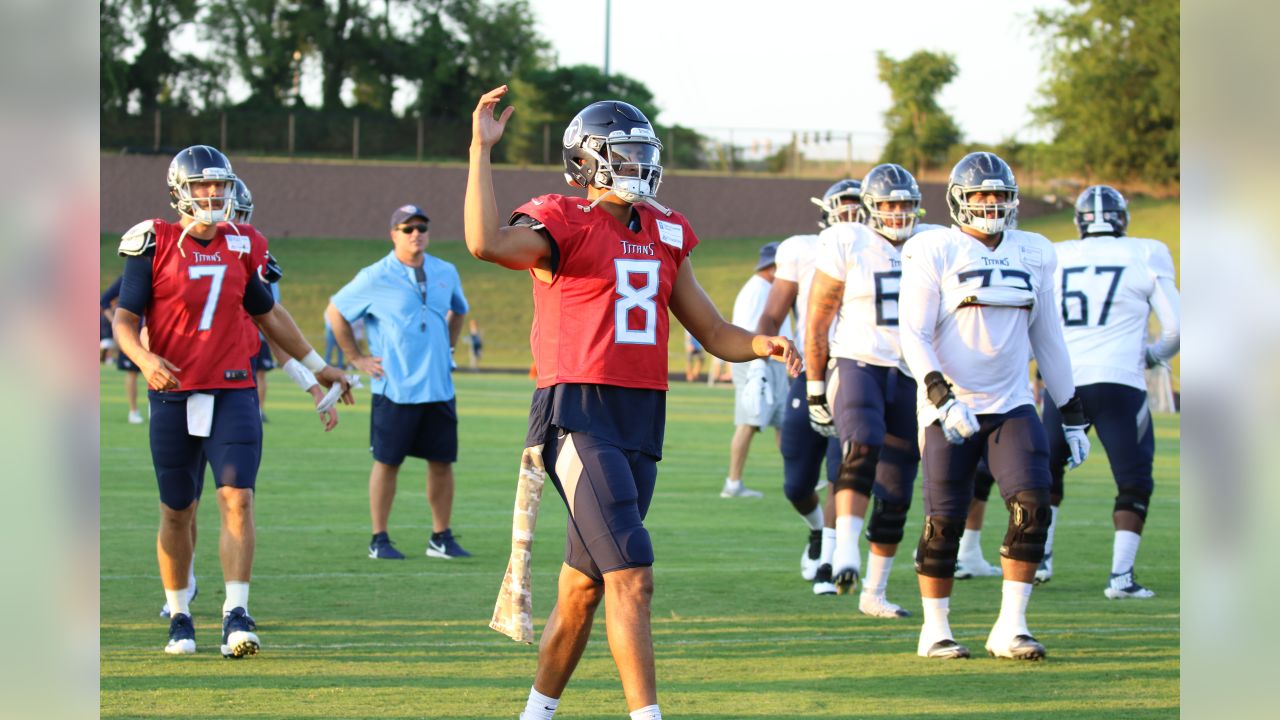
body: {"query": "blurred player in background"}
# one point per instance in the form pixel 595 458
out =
pixel 107 306
pixel 1108 284
pixel 195 281
pixel 858 383
pixel 976 302
pixel 692 357
pixel 759 386
pixel 475 343
pixel 803 447
pixel 618 260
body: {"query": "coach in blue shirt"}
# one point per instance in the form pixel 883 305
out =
pixel 413 307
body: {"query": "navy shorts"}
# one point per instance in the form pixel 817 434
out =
pixel 607 491
pixel 872 401
pixel 125 364
pixel 263 360
pixel 423 430
pixel 1014 445
pixel 1120 416
pixel 233 448
pixel 803 449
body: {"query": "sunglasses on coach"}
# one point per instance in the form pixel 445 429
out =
pixel 409 229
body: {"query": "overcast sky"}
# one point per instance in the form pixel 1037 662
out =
pixel 807 64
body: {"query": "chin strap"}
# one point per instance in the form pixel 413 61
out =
pixel 185 230
pixel 656 205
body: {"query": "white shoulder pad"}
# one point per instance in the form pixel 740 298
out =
pixel 138 239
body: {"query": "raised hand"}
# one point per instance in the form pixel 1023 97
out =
pixel 486 130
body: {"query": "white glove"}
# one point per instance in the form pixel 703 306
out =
pixel 958 421
pixel 335 391
pixel 819 412
pixel 1151 359
pixel 1078 441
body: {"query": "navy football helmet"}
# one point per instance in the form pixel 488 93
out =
pixel 611 145
pixel 840 203
pixel 196 164
pixel 243 211
pixel 982 172
pixel 891 183
pixel 270 271
pixel 1101 210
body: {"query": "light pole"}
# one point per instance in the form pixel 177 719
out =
pixel 608 11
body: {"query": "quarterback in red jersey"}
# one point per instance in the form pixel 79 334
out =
pixel 198 285
pixel 605 270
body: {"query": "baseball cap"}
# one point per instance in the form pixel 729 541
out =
pixel 404 212
pixel 768 255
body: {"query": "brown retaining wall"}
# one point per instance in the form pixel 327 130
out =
pixel 355 200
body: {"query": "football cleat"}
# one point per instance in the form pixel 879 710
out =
pixel 1018 647
pixel 182 636
pixel 846 581
pixel 442 545
pixel 879 606
pixel 822 584
pixel 811 556
pixel 380 548
pixel 164 611
pixel 947 649
pixel 1124 587
pixel 976 566
pixel 1044 573
pixel 238 640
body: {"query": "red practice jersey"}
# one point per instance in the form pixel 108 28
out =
pixel 603 318
pixel 196 319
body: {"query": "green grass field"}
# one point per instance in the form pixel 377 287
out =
pixel 738 634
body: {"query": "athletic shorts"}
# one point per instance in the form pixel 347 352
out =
pixel 1014 445
pixel 607 491
pixel 422 430
pixel 1120 416
pixel 769 399
pixel 233 448
pixel 123 363
pixel 870 401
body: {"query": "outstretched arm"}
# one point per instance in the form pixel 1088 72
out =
pixel 718 336
pixel 278 325
pixel 515 247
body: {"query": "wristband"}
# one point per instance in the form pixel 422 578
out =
pixel 314 362
pixel 299 374
pixel 937 389
pixel 815 387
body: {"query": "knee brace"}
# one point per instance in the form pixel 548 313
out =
pixel 939 546
pixel 1134 500
pixel 858 468
pixel 885 524
pixel 1029 519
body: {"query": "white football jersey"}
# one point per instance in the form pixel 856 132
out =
pixel 1104 287
pixel 871 269
pixel 978 315
pixel 797 261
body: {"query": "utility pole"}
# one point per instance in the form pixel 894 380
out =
pixel 608 12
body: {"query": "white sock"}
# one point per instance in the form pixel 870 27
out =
pixel 730 484
pixel 828 545
pixel 878 568
pixel 191 580
pixel 847 553
pixel 814 518
pixel 1013 607
pixel 935 617
pixel 971 543
pixel 1125 551
pixel 539 707
pixel 1053 525
pixel 648 712
pixel 237 597
pixel 178 600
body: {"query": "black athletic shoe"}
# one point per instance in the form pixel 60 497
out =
pixel 182 635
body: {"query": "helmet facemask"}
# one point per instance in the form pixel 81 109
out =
pixel 896 225
pixel 629 166
pixel 986 218
pixel 210 210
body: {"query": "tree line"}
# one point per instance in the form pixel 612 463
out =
pixel 1110 101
